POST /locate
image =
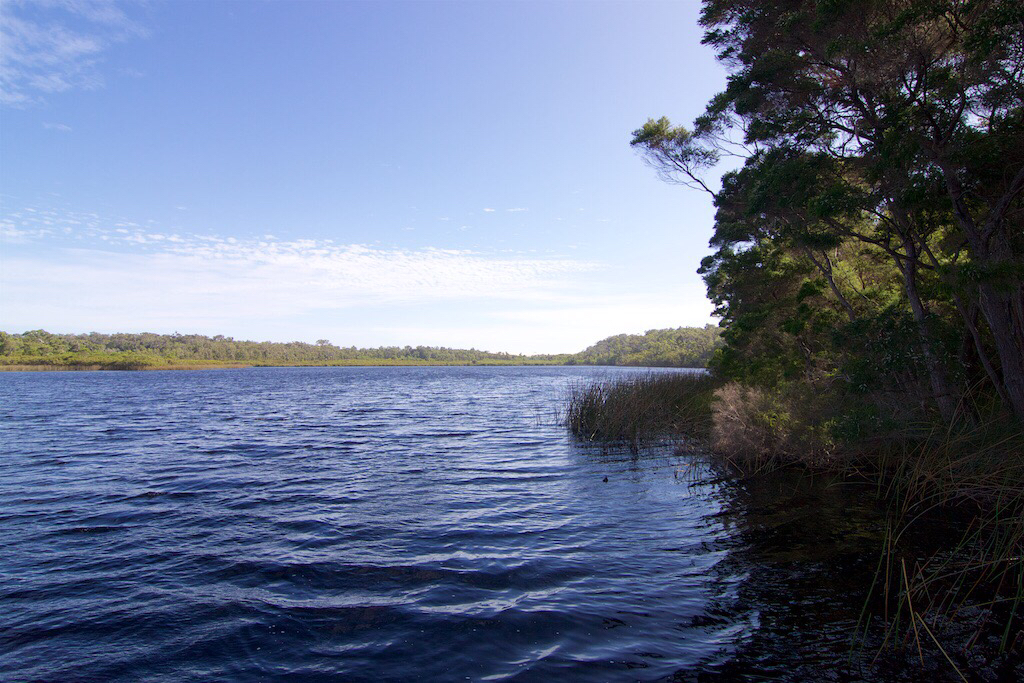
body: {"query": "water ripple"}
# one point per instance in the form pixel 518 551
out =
pixel 359 524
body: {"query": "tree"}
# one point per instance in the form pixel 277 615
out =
pixel 909 119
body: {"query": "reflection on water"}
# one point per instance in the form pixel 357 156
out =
pixel 807 549
pixel 395 524
pixel 805 554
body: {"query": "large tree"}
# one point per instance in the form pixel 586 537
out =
pixel 906 123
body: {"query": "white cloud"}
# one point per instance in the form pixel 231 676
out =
pixel 43 54
pixel 63 128
pixel 76 271
pixel 121 278
pixel 516 210
pixel 488 210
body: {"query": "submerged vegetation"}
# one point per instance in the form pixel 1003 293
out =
pixel 966 601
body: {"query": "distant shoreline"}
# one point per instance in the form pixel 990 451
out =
pixel 229 365
pixel 41 351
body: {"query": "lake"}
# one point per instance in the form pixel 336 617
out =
pixel 392 524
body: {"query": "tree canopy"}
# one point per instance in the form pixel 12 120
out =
pixel 39 344
pixel 683 347
pixel 873 240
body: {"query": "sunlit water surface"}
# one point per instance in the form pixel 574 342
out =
pixel 372 524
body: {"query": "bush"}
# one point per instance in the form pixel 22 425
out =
pixel 786 424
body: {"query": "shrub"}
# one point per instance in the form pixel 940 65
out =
pixel 787 424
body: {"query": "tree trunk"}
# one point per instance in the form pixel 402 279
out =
pixel 998 309
pixel 825 268
pixel 999 305
pixel 942 390
pixel 969 316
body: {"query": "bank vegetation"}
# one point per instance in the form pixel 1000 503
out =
pixel 868 268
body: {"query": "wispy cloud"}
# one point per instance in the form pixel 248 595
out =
pixel 51 46
pixel 78 268
pixel 77 271
pixel 61 127
pixel 489 210
pixel 516 210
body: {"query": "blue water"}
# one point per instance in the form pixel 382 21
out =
pixel 357 524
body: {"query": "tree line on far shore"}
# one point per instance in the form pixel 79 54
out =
pixel 682 347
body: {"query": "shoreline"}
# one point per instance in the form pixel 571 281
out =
pixel 234 365
pixel 127 366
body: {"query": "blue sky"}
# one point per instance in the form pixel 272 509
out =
pixel 373 173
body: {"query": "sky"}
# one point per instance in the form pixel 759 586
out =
pixel 373 173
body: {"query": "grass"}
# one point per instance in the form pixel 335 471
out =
pixel 968 593
pixel 637 409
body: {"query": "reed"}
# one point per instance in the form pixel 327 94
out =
pixel 963 598
pixel 638 409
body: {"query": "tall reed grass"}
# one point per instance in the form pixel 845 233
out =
pixel 638 409
pixel 965 600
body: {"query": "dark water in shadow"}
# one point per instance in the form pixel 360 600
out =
pixel 395 524
pixel 807 549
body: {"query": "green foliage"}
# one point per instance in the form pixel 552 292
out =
pixel 118 360
pixel 683 347
pixel 38 347
pixel 872 243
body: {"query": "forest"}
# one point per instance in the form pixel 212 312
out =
pixel 682 347
pixel 38 347
pixel 868 248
